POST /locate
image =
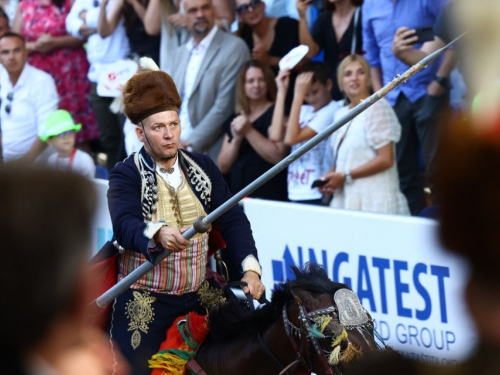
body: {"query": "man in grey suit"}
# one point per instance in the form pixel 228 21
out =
pixel 205 70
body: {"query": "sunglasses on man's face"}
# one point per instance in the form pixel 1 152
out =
pixel 245 8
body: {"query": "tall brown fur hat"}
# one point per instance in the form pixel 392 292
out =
pixel 148 92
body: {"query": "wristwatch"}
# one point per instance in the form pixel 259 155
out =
pixel 443 81
pixel 348 178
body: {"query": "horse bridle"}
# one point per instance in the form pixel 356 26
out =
pixel 293 331
pixel 346 310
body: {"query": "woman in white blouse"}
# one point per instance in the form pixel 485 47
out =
pixel 364 176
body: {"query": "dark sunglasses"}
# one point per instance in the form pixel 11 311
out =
pixel 8 106
pixel 63 134
pixel 243 9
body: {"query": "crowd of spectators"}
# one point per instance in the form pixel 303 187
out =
pixel 224 57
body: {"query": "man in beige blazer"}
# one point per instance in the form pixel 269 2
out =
pixel 205 70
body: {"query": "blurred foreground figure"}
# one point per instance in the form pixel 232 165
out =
pixel 469 182
pixel 470 218
pixel 45 221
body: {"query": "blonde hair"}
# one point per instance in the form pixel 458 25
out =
pixel 242 103
pixel 346 61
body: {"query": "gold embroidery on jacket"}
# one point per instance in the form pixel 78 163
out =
pixel 141 313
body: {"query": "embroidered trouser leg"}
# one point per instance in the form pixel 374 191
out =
pixel 140 320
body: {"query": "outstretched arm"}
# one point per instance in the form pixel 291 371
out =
pixel 294 133
pixel 277 129
pixel 109 17
pixel 152 17
pixel 304 33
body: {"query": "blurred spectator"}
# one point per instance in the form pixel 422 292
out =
pixel 364 176
pixel 168 18
pixel 133 11
pixel 4 22
pixel 9 7
pixel 47 330
pixel 419 102
pixel 82 22
pixel 27 97
pixel 247 152
pixel 306 120
pixel 205 70
pixel 51 49
pixel 280 8
pixel 60 132
pixel 403 44
pixel 269 39
pixel 165 18
pixel 337 31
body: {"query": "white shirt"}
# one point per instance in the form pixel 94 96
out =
pixel 101 53
pixel 82 163
pixel 174 179
pixel 309 167
pixel 195 60
pixel 34 98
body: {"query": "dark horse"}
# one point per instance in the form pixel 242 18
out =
pixel 302 329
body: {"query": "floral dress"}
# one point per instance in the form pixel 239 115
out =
pixel 68 66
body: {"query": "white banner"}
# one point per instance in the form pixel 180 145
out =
pixel 411 287
pixel 102 229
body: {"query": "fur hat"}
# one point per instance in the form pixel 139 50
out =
pixel 148 92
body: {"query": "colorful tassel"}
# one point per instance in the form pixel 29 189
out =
pixel 350 354
pixel 334 357
pixel 323 321
pixel 314 332
pixel 172 361
pixel 337 340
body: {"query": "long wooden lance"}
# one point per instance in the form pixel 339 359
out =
pixel 202 224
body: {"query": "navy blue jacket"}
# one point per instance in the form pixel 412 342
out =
pixel 127 210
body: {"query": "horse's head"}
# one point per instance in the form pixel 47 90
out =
pixel 325 322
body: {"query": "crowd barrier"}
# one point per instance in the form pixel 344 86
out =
pixel 412 288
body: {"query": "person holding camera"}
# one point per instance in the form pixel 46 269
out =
pixel 419 102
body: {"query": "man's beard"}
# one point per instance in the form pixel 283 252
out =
pixel 203 30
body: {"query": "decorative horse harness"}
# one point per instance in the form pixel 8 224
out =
pixel 347 311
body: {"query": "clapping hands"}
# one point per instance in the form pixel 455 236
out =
pixel 240 126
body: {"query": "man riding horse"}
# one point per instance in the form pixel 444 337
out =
pixel 154 196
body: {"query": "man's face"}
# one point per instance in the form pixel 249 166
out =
pixel 13 54
pixel 200 16
pixel 161 135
